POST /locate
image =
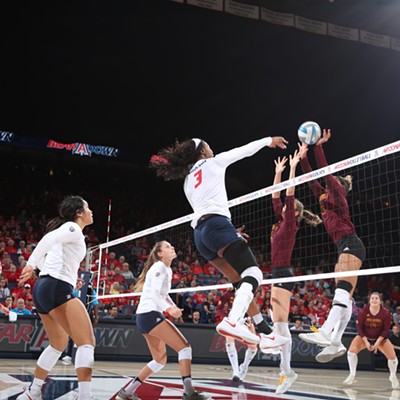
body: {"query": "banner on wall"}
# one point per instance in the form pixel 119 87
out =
pixel 77 148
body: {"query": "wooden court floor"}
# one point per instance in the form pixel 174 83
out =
pixel 260 383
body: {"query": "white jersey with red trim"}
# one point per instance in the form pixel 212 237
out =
pixel 60 252
pixel 155 289
pixel 204 186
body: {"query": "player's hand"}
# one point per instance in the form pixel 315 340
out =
pixel 26 273
pixel 326 135
pixel 294 160
pixel 174 312
pixel 303 149
pixel 278 141
pixel 4 309
pixel 242 233
pixel 280 165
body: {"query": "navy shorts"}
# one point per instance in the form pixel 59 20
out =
pixel 146 322
pixel 351 244
pixel 49 293
pixel 214 233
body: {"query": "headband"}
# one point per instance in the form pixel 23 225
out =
pixel 196 143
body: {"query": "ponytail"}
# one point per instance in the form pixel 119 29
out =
pixel 174 162
pixel 308 216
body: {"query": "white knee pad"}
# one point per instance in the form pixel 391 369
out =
pixel 48 358
pixel 254 272
pixel 84 356
pixel 341 297
pixel 155 366
pixel 185 354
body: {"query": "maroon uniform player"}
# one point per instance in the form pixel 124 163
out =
pixel 351 251
pixel 373 325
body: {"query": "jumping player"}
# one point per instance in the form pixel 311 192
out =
pixel 283 237
pixel 351 252
pixel 215 236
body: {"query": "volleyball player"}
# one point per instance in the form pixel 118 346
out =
pixel 215 236
pixel 239 372
pixel 351 252
pixel 283 235
pixel 373 326
pixel 155 282
pixel 58 256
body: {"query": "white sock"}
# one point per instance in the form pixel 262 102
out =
pixel 249 355
pixel 85 390
pixel 233 357
pixel 133 385
pixel 244 295
pixel 36 386
pixel 352 358
pixel 392 364
pixel 282 329
pixel 341 297
pixel 341 326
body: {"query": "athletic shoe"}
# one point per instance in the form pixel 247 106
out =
pixel 236 378
pixel 285 382
pixel 123 395
pixel 271 341
pixel 66 360
pixel 197 396
pixel 317 337
pixel 395 382
pixel 350 380
pixel 237 331
pixel 27 395
pixel 330 352
pixel 242 371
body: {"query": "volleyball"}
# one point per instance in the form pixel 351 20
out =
pixel 309 132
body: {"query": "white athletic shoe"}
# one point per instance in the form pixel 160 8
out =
pixel 66 360
pixel 271 341
pixel 350 380
pixel 319 338
pixel 330 352
pixel 237 331
pixel 27 395
pixel 285 382
pixel 123 395
pixel 197 396
pixel 395 382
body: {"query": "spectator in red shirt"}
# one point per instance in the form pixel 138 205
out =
pixel 12 275
pixel 197 268
pixel 118 277
pixel 221 313
pixel 18 291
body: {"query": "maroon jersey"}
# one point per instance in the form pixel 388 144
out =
pixel 373 326
pixel 283 233
pixel 334 208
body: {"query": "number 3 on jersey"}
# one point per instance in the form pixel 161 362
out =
pixel 199 178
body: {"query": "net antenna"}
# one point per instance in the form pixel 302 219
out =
pixel 374 206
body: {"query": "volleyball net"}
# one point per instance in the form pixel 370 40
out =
pixel 374 208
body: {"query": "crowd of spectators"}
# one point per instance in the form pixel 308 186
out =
pixel 119 268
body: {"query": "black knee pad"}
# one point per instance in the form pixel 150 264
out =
pixel 347 286
pixel 239 256
pixel 249 279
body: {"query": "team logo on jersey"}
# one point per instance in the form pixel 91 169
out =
pixel 157 274
pixel 71 229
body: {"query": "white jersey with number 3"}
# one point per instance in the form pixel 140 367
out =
pixel 204 186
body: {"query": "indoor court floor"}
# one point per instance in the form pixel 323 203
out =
pixel 260 384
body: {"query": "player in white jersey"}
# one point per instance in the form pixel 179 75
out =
pixel 216 238
pixel 155 282
pixel 58 256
